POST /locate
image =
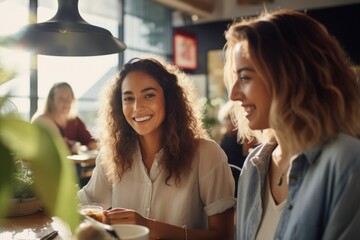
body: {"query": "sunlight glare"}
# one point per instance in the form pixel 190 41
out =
pixel 13 17
pixel 81 72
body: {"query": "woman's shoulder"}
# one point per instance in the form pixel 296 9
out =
pixel 340 155
pixel 43 118
pixel 210 150
pixel 343 145
pixel 40 117
pixel 209 145
pixel 344 148
pixel 47 121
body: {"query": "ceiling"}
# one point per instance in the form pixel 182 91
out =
pixel 215 10
pixel 202 8
pixel 205 10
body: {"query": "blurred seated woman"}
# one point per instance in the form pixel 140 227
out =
pixel 59 116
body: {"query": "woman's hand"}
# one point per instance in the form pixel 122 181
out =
pixel 123 215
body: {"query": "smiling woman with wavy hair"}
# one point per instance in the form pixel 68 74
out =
pixel 182 124
pixel 157 161
pixel 291 78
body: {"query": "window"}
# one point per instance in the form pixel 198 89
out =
pixel 147 29
pixel 14 61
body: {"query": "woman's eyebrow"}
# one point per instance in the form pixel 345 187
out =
pixel 244 69
pixel 143 90
pixel 149 89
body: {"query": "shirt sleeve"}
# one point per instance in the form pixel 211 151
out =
pixel 217 184
pixel 98 191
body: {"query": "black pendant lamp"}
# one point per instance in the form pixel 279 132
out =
pixel 67 34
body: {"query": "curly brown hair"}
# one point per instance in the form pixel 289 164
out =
pixel 315 92
pixel 182 126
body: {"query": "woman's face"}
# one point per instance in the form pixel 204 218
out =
pixel 63 100
pixel 143 103
pixel 250 90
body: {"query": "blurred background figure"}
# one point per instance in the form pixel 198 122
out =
pixel 59 115
pixel 235 151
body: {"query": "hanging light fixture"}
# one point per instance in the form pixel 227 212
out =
pixel 66 34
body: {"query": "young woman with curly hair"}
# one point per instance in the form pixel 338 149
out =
pixel 290 78
pixel 157 166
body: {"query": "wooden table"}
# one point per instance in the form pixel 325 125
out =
pixel 33 227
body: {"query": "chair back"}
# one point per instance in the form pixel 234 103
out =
pixel 235 167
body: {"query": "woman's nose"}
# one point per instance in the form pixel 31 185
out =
pixel 138 104
pixel 236 93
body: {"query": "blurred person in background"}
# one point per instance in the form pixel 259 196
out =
pixel 59 116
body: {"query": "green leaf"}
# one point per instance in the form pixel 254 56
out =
pixel 6 74
pixel 6 168
pixel 55 175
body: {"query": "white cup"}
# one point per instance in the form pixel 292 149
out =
pixel 131 231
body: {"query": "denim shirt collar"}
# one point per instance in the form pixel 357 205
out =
pixel 263 154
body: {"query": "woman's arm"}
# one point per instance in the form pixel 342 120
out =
pixel 221 226
pixel 98 191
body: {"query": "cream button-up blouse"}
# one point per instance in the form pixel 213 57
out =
pixel 207 190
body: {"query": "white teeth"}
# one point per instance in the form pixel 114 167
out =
pixel 142 119
pixel 249 109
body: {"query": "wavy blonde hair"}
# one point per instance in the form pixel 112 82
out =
pixel 315 93
pixel 182 125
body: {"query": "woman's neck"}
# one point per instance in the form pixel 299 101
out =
pixel 283 152
pixel 149 147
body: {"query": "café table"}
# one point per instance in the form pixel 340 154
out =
pixel 85 164
pixel 83 160
pixel 33 227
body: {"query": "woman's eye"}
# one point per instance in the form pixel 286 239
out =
pixel 127 99
pixel 150 95
pixel 244 78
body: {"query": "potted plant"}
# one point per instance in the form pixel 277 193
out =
pixel 24 200
pixel 54 175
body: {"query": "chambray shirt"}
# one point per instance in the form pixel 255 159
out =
pixel 323 196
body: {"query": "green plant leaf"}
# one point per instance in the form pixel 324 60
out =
pixel 6 74
pixel 55 176
pixel 6 168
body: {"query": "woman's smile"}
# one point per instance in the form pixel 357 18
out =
pixel 143 103
pixel 142 119
pixel 249 109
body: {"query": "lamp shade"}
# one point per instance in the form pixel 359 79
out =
pixel 66 34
